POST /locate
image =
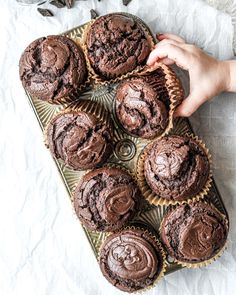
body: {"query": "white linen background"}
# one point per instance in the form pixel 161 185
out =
pixel 43 249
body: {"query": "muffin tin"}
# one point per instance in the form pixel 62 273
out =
pixel 126 153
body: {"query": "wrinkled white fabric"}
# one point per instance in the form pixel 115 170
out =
pixel 43 249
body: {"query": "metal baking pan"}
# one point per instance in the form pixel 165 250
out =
pixel 126 152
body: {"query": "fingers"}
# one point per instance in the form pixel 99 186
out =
pixel 171 51
pixel 171 37
pixel 189 105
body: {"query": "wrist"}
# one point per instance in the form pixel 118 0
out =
pixel 226 74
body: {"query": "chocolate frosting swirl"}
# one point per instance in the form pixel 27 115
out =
pixel 79 139
pixel 142 105
pixel 52 67
pixel 176 168
pixel 116 44
pixel 106 199
pixel 194 233
pixel 131 259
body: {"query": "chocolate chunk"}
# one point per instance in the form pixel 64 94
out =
pixel 94 14
pixel 106 199
pixel 142 105
pixel 116 44
pixel 52 67
pixel 79 139
pixel 194 233
pixel 126 2
pixel 44 12
pixel 130 260
pixel 176 168
pixel 69 3
pixel 58 3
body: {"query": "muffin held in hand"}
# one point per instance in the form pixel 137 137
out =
pixel 106 199
pixel 52 68
pixel 176 168
pixel 131 260
pixel 116 45
pixel 142 105
pixel 194 233
pixel 79 139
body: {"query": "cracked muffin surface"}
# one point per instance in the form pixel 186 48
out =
pixel 176 167
pixel 52 67
pixel 116 45
pixel 142 105
pixel 131 260
pixel 79 139
pixel 194 233
pixel 106 198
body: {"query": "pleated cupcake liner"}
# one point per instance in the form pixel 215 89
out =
pixel 160 247
pixel 175 93
pixel 98 79
pixel 151 196
pixel 201 263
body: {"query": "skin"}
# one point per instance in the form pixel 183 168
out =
pixel 208 76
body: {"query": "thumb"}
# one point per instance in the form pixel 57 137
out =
pixel 189 105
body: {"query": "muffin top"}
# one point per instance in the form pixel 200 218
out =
pixel 116 45
pixel 176 168
pixel 131 260
pixel 52 67
pixel 79 139
pixel 142 105
pixel 106 199
pixel 194 233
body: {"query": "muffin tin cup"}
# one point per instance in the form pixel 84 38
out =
pixel 96 77
pixel 202 263
pixel 162 252
pixel 106 165
pixel 152 197
pixel 89 107
pixel 175 91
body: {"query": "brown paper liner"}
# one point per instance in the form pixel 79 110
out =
pixel 96 77
pixel 162 252
pixel 106 165
pixel 151 196
pixel 202 263
pixel 89 107
pixel 174 89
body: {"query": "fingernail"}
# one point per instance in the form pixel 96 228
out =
pixel 160 36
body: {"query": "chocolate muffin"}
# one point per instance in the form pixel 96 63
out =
pixel 79 139
pixel 131 260
pixel 176 168
pixel 52 67
pixel 116 45
pixel 142 105
pixel 106 199
pixel 194 233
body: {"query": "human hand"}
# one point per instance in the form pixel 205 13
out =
pixel 208 76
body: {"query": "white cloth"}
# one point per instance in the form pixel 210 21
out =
pixel 43 249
